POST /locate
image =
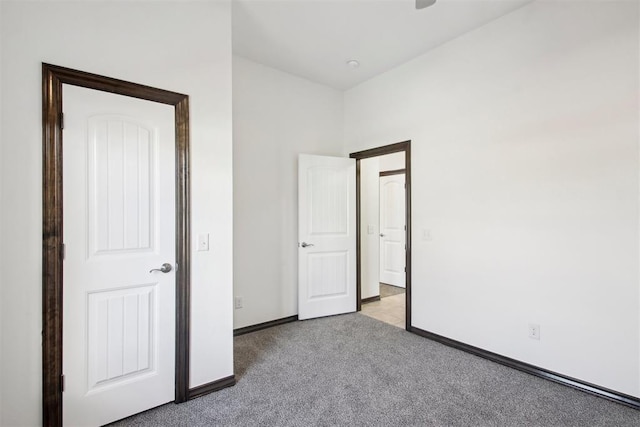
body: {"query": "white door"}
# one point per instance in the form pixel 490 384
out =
pixel 326 236
pixel 392 230
pixel 119 210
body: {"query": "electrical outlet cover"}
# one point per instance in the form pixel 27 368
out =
pixel 534 331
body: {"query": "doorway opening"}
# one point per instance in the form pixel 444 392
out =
pixel 383 210
pixel 383 238
pixel 53 78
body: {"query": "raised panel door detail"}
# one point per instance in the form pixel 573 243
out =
pixel 393 217
pixel 120 168
pixel 394 195
pixel 392 230
pixel 393 259
pixel 326 236
pixel 329 204
pixel 328 274
pixel 119 223
pixel 121 327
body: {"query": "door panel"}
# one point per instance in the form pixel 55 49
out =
pixel 120 335
pixel 328 274
pixel 120 172
pixel 327 238
pixel 119 223
pixel 392 230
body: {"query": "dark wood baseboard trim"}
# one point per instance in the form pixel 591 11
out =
pixel 265 325
pixel 596 390
pixel 387 284
pixel 207 388
pixel 371 299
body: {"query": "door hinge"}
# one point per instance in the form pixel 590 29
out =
pixel 61 120
pixel 64 251
pixel 62 383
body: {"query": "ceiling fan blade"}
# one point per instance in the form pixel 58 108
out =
pixel 421 4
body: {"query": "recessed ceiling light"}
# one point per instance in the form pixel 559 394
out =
pixel 353 63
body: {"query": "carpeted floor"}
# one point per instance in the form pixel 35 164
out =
pixel 352 370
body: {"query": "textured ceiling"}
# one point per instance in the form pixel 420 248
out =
pixel 315 38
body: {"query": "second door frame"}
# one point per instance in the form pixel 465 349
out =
pixel 404 146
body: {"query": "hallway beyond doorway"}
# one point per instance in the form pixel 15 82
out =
pixel 390 308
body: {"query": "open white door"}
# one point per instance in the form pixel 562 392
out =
pixel 392 230
pixel 326 236
pixel 119 223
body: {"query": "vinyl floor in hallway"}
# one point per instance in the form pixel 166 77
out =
pixel 389 309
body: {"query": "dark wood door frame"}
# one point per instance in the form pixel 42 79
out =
pixel 53 77
pixel 393 172
pixel 405 147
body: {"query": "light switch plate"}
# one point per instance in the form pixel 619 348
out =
pixel 370 229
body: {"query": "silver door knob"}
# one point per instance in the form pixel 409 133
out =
pixel 382 235
pixel 166 267
pixel 305 244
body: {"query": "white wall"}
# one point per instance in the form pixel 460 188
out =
pixel 276 116
pixel 391 162
pixel 179 46
pixel 525 170
pixel 370 218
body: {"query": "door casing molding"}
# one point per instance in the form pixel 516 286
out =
pixel 404 146
pixel 53 77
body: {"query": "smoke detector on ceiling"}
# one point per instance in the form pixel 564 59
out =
pixel 352 63
pixel 421 4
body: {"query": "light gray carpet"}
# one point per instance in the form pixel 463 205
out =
pixel 352 370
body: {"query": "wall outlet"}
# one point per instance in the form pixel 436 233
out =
pixel 237 302
pixel 203 242
pixel 534 331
